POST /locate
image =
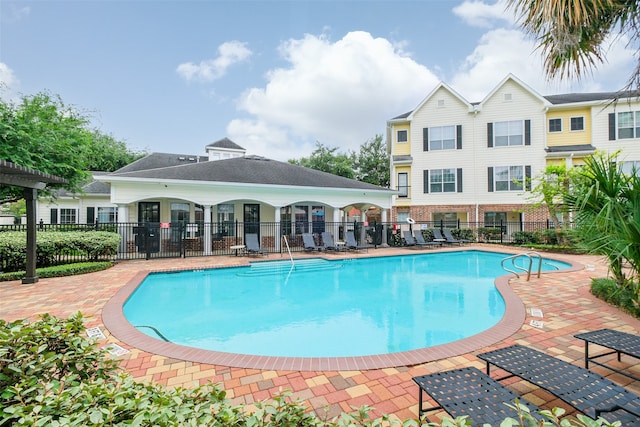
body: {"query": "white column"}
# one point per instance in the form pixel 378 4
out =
pixel 207 229
pixel 126 230
pixel 278 237
pixel 384 228
pixel 336 224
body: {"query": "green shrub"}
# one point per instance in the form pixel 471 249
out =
pixel 52 374
pixel 53 245
pixel 463 234
pixel 490 233
pixel 60 270
pixel 620 296
pixel 523 237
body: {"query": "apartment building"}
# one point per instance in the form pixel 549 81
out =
pixel 458 161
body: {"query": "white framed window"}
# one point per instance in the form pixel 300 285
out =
pixel 402 136
pixel 629 125
pixel 107 215
pixel 442 180
pixel 402 217
pixel 447 219
pixel 577 124
pixel 508 133
pixel 180 212
pixel 67 216
pixel 508 178
pixel 555 125
pixel 442 138
pixel 403 184
pixel 631 167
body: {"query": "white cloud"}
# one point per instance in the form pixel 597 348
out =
pixel 229 53
pixel 9 84
pixel 338 93
pixel 13 13
pixel 484 15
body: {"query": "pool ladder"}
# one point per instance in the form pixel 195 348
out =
pixel 529 256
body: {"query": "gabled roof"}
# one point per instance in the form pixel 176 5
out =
pixel 441 85
pixel 572 98
pixel 93 187
pixel 247 170
pixel 162 160
pixel 511 77
pixel 225 143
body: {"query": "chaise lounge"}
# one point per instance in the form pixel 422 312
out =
pixel 352 243
pixel 468 391
pixel 620 342
pixel 588 392
pixel 252 246
pixel 309 243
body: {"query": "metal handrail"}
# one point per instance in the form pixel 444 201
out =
pixel 286 243
pixel 528 255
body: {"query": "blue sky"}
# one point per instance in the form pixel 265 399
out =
pixel 273 76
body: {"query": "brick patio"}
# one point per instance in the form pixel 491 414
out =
pixel 563 297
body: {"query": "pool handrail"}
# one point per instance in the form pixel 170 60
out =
pixel 528 270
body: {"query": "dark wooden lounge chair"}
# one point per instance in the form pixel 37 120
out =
pixel 620 342
pixel 468 391
pixel 588 392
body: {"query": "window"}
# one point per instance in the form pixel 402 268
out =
pixel 403 184
pixel 493 219
pixel 629 125
pixel 67 216
pixel 402 217
pixel 180 212
pixel 107 215
pixel 442 180
pixel 508 178
pixel 631 167
pixel 317 219
pixel 577 124
pixel 302 219
pixel 508 133
pixel 442 138
pixel 226 220
pixel 555 125
pixel 447 219
pixel 402 136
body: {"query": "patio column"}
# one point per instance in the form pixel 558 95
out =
pixel 336 224
pixel 124 229
pixel 278 237
pixel 207 229
pixel 384 228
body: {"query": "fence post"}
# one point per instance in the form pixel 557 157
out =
pixel 501 231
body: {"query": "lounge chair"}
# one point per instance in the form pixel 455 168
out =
pixel 620 342
pixel 328 244
pixel 449 237
pixel 438 237
pixel 309 243
pixel 408 238
pixel 252 246
pixel 420 241
pixel 352 243
pixel 468 391
pixel 588 392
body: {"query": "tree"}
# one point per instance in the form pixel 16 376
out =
pixel 606 204
pixel 108 154
pixel 327 160
pixel 371 163
pixel 571 33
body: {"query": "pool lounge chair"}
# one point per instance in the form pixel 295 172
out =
pixel 449 237
pixel 620 342
pixel 588 392
pixel 352 244
pixel 438 237
pixel 420 241
pixel 328 244
pixel 252 246
pixel 408 238
pixel 468 391
pixel 309 243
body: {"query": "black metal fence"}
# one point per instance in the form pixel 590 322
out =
pixel 173 240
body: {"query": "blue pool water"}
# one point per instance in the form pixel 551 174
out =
pixel 323 308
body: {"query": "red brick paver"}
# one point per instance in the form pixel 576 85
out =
pixel 563 297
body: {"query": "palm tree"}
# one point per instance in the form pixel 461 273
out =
pixel 606 204
pixel 571 32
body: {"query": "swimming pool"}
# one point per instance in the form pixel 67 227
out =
pixel 320 308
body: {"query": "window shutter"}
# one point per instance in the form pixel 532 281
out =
pixel 425 139
pixel 425 181
pixel 527 132
pixel 53 216
pixel 459 179
pixel 612 126
pixel 459 137
pixel 490 175
pixel 527 177
pixel 489 135
pixel 91 215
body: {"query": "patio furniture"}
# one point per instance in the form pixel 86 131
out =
pixel 420 241
pixel 588 392
pixel 309 243
pixel 252 245
pixel 352 244
pixel 620 342
pixel 468 391
pixel 328 243
pixel 408 238
pixel 438 237
pixel 450 238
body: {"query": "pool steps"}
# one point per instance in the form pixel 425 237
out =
pixel 264 268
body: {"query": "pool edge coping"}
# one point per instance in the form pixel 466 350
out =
pixel 513 319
